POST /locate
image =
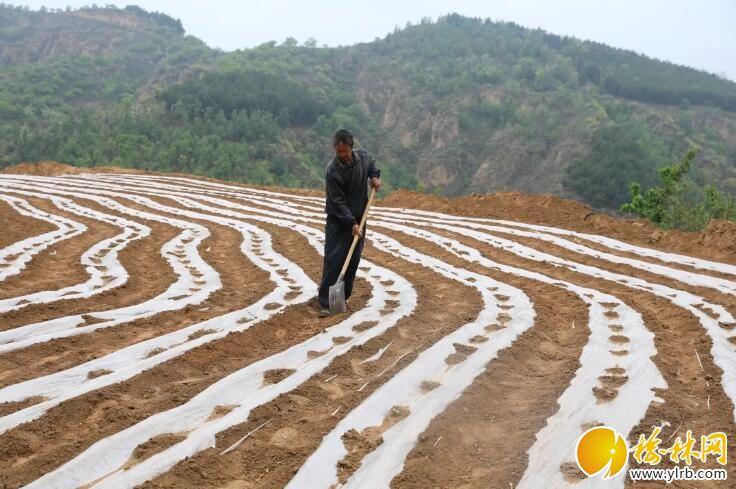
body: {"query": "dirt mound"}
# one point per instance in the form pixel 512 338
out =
pixel 499 205
pixel 716 242
pixel 42 168
pixel 720 235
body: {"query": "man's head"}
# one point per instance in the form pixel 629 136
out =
pixel 342 141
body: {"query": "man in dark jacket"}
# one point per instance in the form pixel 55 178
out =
pixel 346 178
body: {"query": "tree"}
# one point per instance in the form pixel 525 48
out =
pixel 671 205
pixel 657 204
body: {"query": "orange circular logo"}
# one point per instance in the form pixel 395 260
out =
pixel 601 448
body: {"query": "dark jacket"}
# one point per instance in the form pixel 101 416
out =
pixel 346 186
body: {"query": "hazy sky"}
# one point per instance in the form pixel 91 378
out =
pixel 701 34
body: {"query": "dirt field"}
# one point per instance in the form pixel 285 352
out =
pixel 162 331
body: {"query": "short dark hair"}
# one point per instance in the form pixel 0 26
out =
pixel 343 136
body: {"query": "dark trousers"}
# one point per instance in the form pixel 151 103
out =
pixel 338 238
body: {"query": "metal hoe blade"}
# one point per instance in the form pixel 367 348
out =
pixel 337 297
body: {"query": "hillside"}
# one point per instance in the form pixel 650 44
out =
pixel 91 56
pixel 453 107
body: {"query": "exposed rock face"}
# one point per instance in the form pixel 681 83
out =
pixel 118 18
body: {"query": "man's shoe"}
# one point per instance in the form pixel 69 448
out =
pixel 324 312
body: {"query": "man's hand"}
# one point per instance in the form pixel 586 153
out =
pixel 376 183
pixel 356 231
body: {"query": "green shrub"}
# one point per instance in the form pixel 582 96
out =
pixel 676 204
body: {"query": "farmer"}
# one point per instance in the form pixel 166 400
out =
pixel 346 187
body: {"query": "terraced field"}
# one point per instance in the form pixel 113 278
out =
pixel 161 331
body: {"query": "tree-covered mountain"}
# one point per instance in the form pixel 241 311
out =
pixel 453 106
